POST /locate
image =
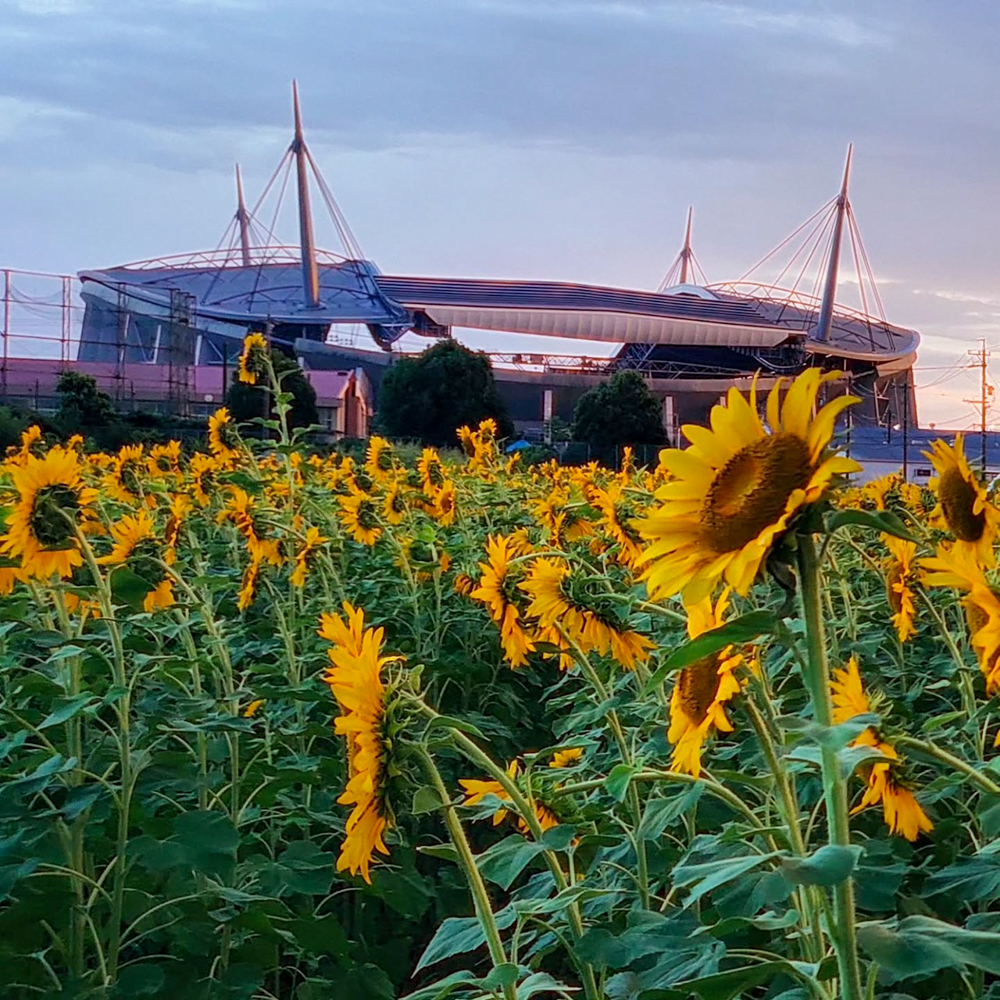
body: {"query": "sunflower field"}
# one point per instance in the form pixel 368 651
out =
pixel 286 724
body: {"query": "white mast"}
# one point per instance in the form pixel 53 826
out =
pixel 310 270
pixel 686 251
pixel 825 321
pixel 242 219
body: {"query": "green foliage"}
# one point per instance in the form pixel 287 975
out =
pixel 246 402
pixel 617 412
pixel 12 424
pixel 427 398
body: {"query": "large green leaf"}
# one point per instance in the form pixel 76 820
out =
pixel 740 630
pixel 702 878
pixel 826 866
pixel 459 935
pixel 919 945
pixel 880 520
pixel 503 862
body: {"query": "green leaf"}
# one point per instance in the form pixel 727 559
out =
pixel 69 708
pixel 740 630
pixel 447 722
pixel 833 737
pixel 661 813
pixel 501 975
pixel 881 520
pixel 129 588
pixel 459 935
pixel 702 878
pixel 446 852
pixel 618 780
pixel 921 945
pixel 503 862
pixel 426 800
pixel 829 865
pixel 734 982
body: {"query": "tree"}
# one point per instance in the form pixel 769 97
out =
pixel 618 412
pixel 427 398
pixel 248 401
pixel 85 409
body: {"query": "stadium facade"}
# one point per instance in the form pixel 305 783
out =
pixel 689 339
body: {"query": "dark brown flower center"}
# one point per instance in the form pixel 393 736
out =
pixel 698 685
pixel 53 514
pixel 750 491
pixel 958 498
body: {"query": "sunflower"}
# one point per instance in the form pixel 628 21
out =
pixel 304 557
pixel 558 602
pixel 963 506
pixel 476 790
pixel 355 678
pixel 432 475
pixel 248 584
pixel 903 813
pixel 253 359
pixel 164 461
pixel 960 569
pixel 898 580
pixel 9 576
pixel 496 591
pixel 31 444
pixel 52 502
pixel 358 516
pixel 379 460
pixel 253 708
pixel 567 757
pixel 738 487
pixel 702 690
pixel 443 510
pixel 125 479
pixel 617 521
pixel 223 440
pixel 137 545
pixel 203 471
pixel 394 505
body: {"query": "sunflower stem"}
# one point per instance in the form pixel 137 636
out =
pixel 939 753
pixel 842 931
pixel 480 898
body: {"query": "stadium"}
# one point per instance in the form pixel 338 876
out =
pixel 174 326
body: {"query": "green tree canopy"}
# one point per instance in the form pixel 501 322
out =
pixel 248 401
pixel 427 398
pixel 618 412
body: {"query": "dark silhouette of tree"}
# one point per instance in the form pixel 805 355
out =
pixel 618 412
pixel 248 401
pixel 427 398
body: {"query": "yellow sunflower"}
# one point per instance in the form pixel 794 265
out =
pixel 253 359
pixel 305 555
pixel 963 506
pixel 248 584
pixel 432 475
pixel 443 510
pixel 128 472
pixel 567 757
pixel 52 501
pixel 355 678
pixel 617 520
pixel 899 577
pixel 253 708
pixel 961 570
pixel 900 808
pixel 136 543
pixel 557 606
pixel 203 470
pixel 180 505
pixel 476 790
pixel 496 591
pixel 9 577
pixel 359 518
pixel 702 690
pixel 164 461
pixel 31 444
pixel 223 440
pixel 394 504
pixel 379 460
pixel 737 488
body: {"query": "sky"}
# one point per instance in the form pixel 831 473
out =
pixel 547 139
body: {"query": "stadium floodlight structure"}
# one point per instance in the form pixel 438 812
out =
pixel 688 336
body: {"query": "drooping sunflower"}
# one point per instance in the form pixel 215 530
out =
pixel 355 678
pixel 52 502
pixel 137 545
pixel 202 470
pixel 737 488
pixel 253 359
pixel 903 813
pixel 476 790
pixel 305 555
pixel 963 506
pixel 617 521
pixel 125 478
pixel 223 440
pixel 443 510
pixel 9 577
pixel 961 570
pixel 497 591
pixel 394 504
pixel 432 474
pixel 379 461
pixel 702 690
pixel 900 573
pixel 180 505
pixel 31 444
pixel 358 515
pixel 248 584
pixel 559 603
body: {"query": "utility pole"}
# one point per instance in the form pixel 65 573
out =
pixel 985 392
pixel 906 430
